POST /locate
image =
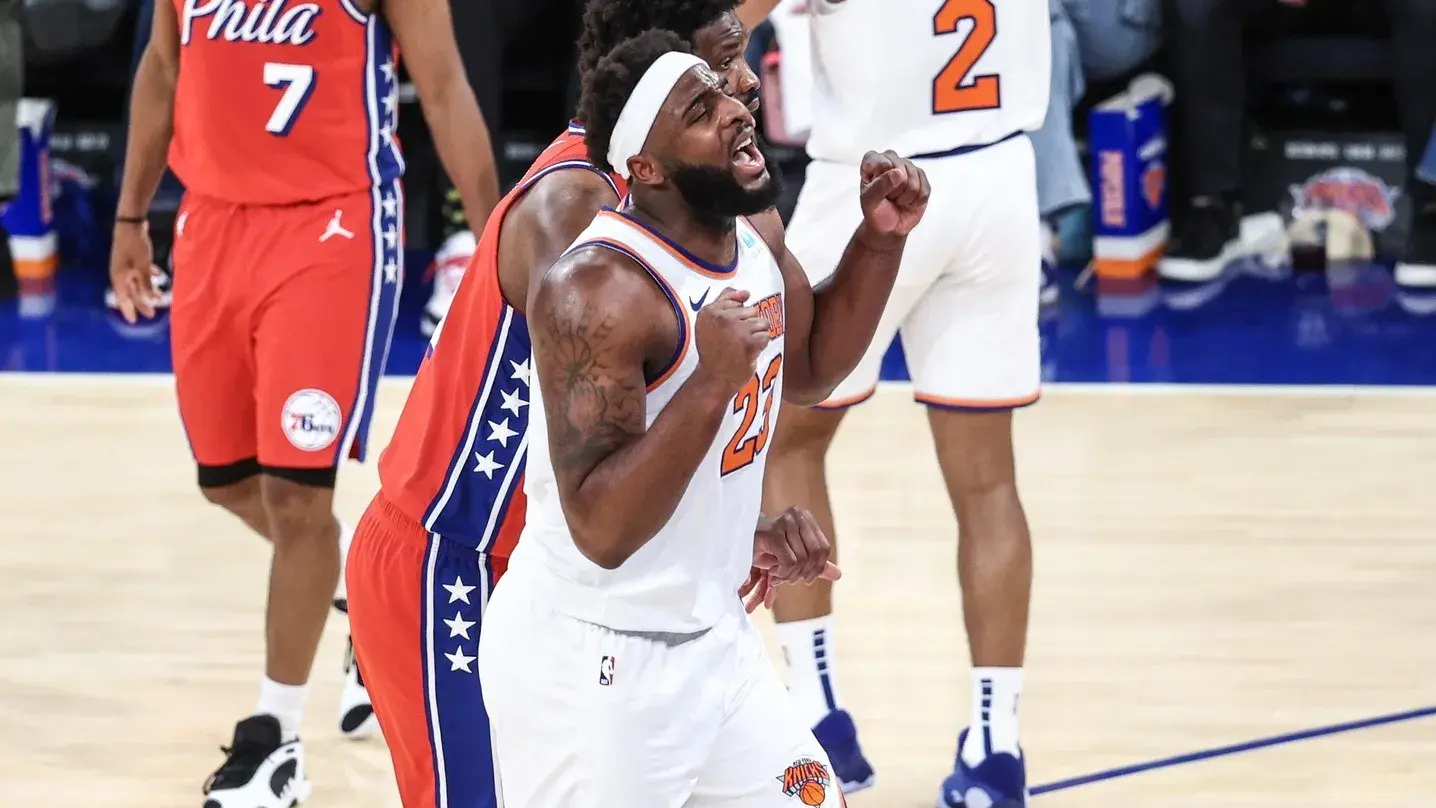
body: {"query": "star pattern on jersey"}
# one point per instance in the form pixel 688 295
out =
pixel 458 590
pixel 486 464
pixel 458 626
pixel 460 660
pixel 498 448
pixel 389 224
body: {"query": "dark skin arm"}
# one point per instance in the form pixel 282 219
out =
pixel 152 104
pixel 596 320
pixel 543 223
pixel 425 32
pixel 829 330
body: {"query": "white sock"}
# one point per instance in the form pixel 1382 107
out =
pixel 994 713
pixel 346 537
pixel 812 681
pixel 285 702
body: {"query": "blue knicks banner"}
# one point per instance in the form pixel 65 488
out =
pixel 1129 178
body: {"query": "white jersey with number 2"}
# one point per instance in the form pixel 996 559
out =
pixel 925 77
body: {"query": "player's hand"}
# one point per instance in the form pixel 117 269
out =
pixel 791 548
pixel 729 336
pixel 132 271
pixel 758 590
pixel 894 194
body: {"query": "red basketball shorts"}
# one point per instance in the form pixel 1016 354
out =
pixel 416 606
pixel 280 325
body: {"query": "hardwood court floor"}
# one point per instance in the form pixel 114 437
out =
pixel 1211 569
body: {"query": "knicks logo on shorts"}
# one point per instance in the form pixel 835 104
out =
pixel 311 419
pixel 808 780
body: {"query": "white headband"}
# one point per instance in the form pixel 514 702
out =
pixel 641 110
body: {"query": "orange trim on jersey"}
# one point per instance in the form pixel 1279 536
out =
pixel 657 239
pixel 685 334
pixel 945 403
pixel 846 401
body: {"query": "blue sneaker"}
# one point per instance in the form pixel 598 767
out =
pixel 838 736
pixel 999 781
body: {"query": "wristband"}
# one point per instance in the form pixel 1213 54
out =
pixel 131 219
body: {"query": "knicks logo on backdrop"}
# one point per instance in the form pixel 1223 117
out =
pixel 770 308
pixel 807 780
pixel 1352 190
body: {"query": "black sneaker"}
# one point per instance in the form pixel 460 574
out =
pixel 356 712
pixel 260 770
pixel 1417 269
pixel 1206 236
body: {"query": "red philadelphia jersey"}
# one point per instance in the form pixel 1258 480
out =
pixel 456 462
pixel 283 101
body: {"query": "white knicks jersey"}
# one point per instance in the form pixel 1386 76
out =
pixel 687 576
pixel 925 77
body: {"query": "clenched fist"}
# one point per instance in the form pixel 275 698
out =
pixel 894 193
pixel 729 336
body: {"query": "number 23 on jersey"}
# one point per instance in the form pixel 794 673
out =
pixel 755 397
pixel 955 88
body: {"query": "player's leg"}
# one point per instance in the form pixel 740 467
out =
pixel 827 214
pixel 972 345
pixel 320 347
pixel 213 364
pixel 764 755
pixel 416 609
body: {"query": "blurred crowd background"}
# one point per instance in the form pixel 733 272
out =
pixel 1184 137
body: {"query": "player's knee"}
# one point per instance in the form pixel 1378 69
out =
pixel 232 486
pixel 804 433
pixel 299 503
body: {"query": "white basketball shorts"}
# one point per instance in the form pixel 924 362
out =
pixel 586 717
pixel 965 301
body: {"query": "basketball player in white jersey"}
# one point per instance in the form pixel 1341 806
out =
pixel 619 665
pixel 953 85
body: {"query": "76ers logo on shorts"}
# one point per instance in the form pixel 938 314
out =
pixel 808 780
pixel 311 419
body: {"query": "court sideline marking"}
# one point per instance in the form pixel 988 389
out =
pixel 1233 749
pixel 1054 389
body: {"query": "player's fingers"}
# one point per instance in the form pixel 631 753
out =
pixel 738 296
pixel 882 187
pixel 122 299
pixel 750 583
pixel 830 572
pixel 770 594
pixel 911 190
pixel 818 548
pixel 784 550
pixel 874 164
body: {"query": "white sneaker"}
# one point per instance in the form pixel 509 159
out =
pixel 356 712
pixel 448 269
pixel 261 770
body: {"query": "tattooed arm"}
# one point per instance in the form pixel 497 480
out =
pixel 597 320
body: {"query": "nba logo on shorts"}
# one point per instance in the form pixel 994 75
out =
pixel 605 671
pixel 310 419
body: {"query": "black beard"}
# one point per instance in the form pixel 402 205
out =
pixel 716 198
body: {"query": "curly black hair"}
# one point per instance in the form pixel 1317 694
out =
pixel 608 85
pixel 609 22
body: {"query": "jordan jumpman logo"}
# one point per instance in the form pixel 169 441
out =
pixel 334 228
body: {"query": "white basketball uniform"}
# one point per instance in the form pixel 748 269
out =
pixel 647 686
pixel 952 85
